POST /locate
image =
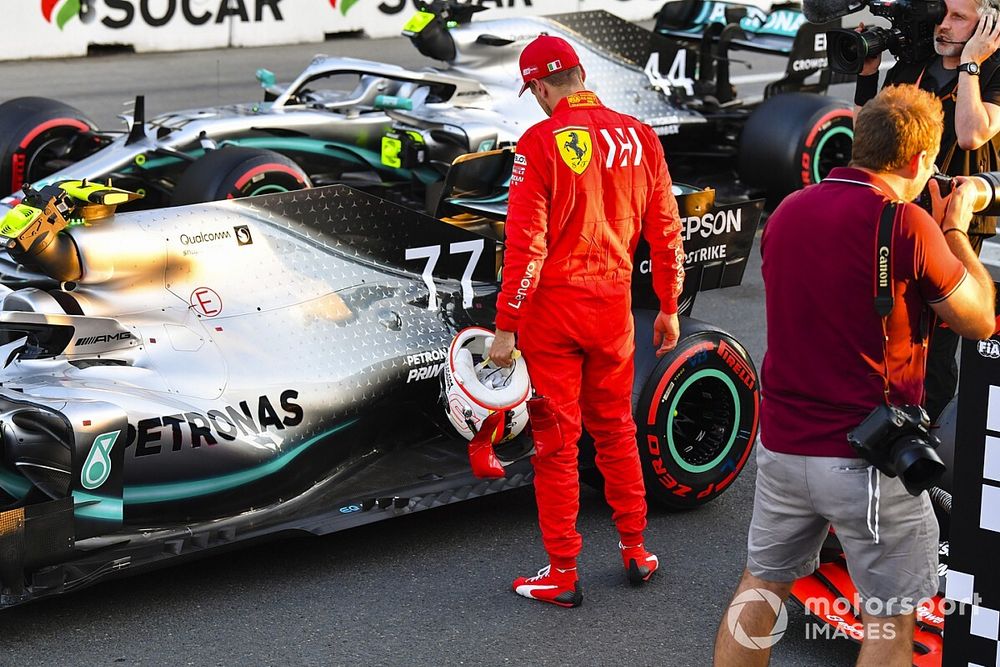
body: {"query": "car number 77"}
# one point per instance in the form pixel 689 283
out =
pixel 432 253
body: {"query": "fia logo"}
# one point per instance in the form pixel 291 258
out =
pixel 989 348
pixel 243 235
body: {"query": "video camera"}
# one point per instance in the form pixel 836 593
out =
pixel 910 37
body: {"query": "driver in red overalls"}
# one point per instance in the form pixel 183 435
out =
pixel 584 183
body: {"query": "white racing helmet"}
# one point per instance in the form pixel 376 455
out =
pixel 475 387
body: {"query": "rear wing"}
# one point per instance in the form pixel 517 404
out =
pixel 714 28
pixel 717 242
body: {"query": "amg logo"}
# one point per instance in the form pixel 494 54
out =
pixel 105 338
pixel 883 266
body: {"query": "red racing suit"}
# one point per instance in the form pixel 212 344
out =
pixel 584 183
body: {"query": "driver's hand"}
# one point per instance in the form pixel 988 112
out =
pixel 666 332
pixel 959 205
pixel 502 350
pixel 871 64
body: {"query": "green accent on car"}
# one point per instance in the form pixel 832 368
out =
pixel 106 509
pixel 268 189
pixel 17 219
pixel 719 375
pixel 13 484
pixel 822 142
pixel 266 78
pixel 345 5
pixel 68 11
pixel 417 23
pixel 140 159
pixel 166 492
pixel 97 467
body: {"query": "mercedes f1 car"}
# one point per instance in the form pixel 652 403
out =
pixel 394 131
pixel 164 400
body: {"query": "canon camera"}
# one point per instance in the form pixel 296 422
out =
pixel 910 37
pixel 896 440
pixel 987 192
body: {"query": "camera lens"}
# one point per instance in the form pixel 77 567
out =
pixel 848 49
pixel 917 464
pixel 987 193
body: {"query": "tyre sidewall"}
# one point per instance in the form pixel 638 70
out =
pixel 711 357
pixel 21 117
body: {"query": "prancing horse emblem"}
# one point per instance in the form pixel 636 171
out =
pixel 575 148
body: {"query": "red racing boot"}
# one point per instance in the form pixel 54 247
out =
pixel 639 563
pixel 560 587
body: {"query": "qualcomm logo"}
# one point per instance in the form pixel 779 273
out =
pixel 757 595
pixel 67 10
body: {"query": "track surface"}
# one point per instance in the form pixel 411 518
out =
pixel 432 588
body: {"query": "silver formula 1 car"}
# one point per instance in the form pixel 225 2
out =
pixel 394 131
pixel 214 373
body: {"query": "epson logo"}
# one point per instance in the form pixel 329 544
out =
pixel 711 224
pixel 104 338
pixel 204 237
pixel 883 266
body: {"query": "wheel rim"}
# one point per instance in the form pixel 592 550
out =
pixel 267 189
pixel 837 154
pixel 703 421
pixel 49 148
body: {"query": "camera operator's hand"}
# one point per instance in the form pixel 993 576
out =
pixel 939 204
pixel 959 204
pixel 871 64
pixel 984 41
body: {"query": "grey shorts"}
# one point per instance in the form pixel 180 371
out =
pixel 892 553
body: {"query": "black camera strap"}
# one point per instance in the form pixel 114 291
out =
pixel 884 299
pixel 883 261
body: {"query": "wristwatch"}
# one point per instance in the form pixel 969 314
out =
pixel 971 68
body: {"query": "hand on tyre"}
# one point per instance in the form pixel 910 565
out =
pixel 666 332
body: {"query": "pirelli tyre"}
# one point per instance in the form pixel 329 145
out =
pixel 793 140
pixel 232 172
pixel 696 411
pixel 39 136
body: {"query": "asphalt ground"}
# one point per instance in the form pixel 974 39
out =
pixel 427 589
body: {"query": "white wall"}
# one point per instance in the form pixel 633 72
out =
pixel 57 28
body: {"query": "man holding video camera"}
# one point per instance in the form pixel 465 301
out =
pixel 964 73
pixel 850 269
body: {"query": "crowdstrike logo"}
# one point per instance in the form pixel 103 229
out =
pixel 780 621
pixel 67 9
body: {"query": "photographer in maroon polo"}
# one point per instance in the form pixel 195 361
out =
pixel 829 363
